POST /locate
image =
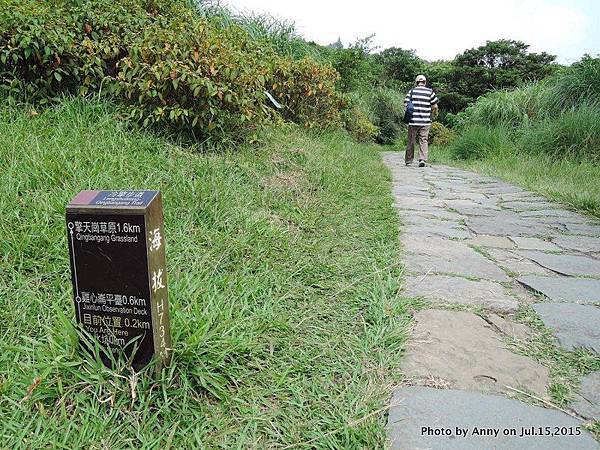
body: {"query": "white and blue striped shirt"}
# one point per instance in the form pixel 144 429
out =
pixel 423 98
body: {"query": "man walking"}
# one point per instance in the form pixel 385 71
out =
pixel 424 101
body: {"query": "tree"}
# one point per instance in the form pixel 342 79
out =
pixel 337 44
pixel 498 64
pixel 354 64
pixel 400 65
pixel 439 75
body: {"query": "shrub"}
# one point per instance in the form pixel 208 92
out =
pixel 356 66
pixel 478 141
pixel 388 110
pixel 164 63
pixel 358 125
pixel 306 89
pixel 46 50
pixel 384 108
pixel 186 74
pixel 440 135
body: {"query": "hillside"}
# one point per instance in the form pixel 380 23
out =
pixel 283 278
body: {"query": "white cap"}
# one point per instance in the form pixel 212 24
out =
pixel 420 78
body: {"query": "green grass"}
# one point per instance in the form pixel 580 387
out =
pixel 570 181
pixel 565 369
pixel 543 136
pixel 284 279
pixel 272 32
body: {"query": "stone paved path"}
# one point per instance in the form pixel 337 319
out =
pixel 476 242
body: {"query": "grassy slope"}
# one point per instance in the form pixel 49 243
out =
pixel 572 182
pixel 283 280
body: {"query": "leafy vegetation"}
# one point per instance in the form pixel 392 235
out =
pixel 284 278
pixel 197 69
pixel 308 93
pixel 288 325
pixel 163 63
pixel 496 65
pixel 559 116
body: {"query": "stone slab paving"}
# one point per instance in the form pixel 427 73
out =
pixel 483 240
pixel 517 264
pixel 511 329
pixel 525 243
pixel 529 205
pixel 467 239
pixel 506 224
pixel 422 226
pixel 436 255
pixel 549 213
pixel 437 215
pixel 587 403
pixel 584 244
pixel 463 351
pixel 427 418
pixel 583 229
pixel 562 289
pixel 574 326
pixel 461 291
pixel 565 264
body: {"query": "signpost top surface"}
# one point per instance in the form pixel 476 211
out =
pixel 95 200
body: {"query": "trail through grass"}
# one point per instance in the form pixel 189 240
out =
pixel 283 272
pixel 570 181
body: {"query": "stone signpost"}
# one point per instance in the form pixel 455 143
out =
pixel 118 268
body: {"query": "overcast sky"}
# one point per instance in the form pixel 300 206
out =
pixel 439 29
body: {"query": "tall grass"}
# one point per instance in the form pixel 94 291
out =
pixel 573 134
pixel 545 136
pixel 507 108
pixel 384 107
pixel 479 141
pixel 575 85
pixel 559 116
pixel 277 34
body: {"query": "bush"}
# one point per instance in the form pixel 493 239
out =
pixel 357 68
pixel 440 135
pixel 388 109
pixel 358 125
pixel 188 75
pixel 48 49
pixel 306 89
pixel 164 63
pixel 384 108
pixel 477 142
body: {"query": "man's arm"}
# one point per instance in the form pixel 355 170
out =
pixel 434 103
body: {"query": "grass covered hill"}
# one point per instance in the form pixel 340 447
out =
pixel 282 259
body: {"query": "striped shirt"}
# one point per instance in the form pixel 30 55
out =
pixel 423 98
